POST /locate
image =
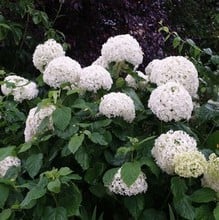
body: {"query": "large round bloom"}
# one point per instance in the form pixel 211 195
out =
pixel 7 163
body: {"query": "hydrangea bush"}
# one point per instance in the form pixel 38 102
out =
pixel 108 141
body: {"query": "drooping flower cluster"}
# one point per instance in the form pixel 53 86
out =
pixel 62 70
pixel 122 48
pixel 168 145
pixel 7 163
pixel 174 69
pixel 189 164
pixel 95 77
pixel 119 187
pixel 117 104
pixel 46 52
pixel 171 102
pixel 211 175
pixel 131 82
pixel 19 87
pixel 34 119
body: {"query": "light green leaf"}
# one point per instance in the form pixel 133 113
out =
pixel 203 195
pixel 98 138
pixel 5 214
pixel 64 171
pixel 24 147
pixel 82 157
pixel 61 117
pixel 54 186
pixel 108 176
pixel 6 151
pixel 216 212
pixel 4 191
pixel 75 142
pixel 58 213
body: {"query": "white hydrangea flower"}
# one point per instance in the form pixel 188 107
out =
pixel 131 82
pixel 101 62
pixel 20 88
pixel 44 53
pixel 7 163
pixel 176 69
pixel 189 164
pixel 211 175
pixel 153 64
pixel 117 104
pixel 171 102
pixel 122 48
pixel 62 70
pixel 119 187
pixel 95 77
pixel 34 119
pixel 168 145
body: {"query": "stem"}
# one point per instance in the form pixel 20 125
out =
pixel 54 197
pixel 57 14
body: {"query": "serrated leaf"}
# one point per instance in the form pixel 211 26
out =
pixel 82 157
pixel 33 164
pixel 58 213
pixel 98 138
pixel 54 186
pixel 75 142
pixel 61 117
pixel 130 172
pixel 108 176
pixel 203 195
pixel 4 191
pixel 178 187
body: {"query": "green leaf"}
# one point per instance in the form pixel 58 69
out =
pixel 61 117
pixel 215 59
pixel 108 176
pixel 5 214
pixel 58 213
pixel 64 171
pixel 130 172
pixel 101 124
pixel 216 212
pixel 33 164
pixel 178 187
pixel 204 213
pixel 98 138
pixel 98 190
pixel 6 151
pixel 149 162
pixel 171 214
pixel 4 191
pixel 213 140
pixel 24 147
pixel 203 195
pixel 176 42
pixel 75 142
pixel 82 157
pixel 54 186
pixel 134 205
pixel 70 198
pixel 153 214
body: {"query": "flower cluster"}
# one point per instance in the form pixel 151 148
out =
pixel 46 52
pixel 171 102
pixel 122 48
pixel 168 145
pixel 117 104
pixel 62 70
pixel 7 163
pixel 189 164
pixel 95 77
pixel 35 117
pixel 19 87
pixel 101 62
pixel 131 82
pixel 119 187
pixel 176 69
pixel 211 175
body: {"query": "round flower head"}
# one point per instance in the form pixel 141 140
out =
pixel 122 48
pixel 176 69
pixel 19 87
pixel 62 70
pixel 119 187
pixel 171 102
pixel 100 61
pixel 189 164
pixel 151 65
pixel 168 145
pixel 95 77
pixel 7 163
pixel 131 82
pixel 44 53
pixel 211 175
pixel 117 104
pixel 35 118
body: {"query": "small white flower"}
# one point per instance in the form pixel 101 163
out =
pixel 168 145
pixel 7 163
pixel 119 187
pixel 122 48
pixel 34 119
pixel 62 70
pixel 44 53
pixel 171 102
pixel 189 164
pixel 95 77
pixel 175 69
pixel 101 62
pixel 117 104
pixel 131 82
pixel 20 88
